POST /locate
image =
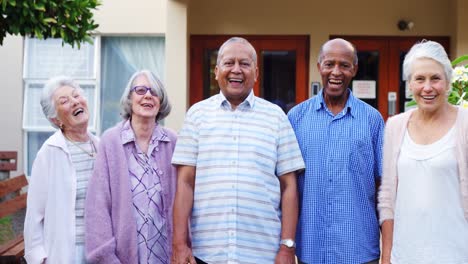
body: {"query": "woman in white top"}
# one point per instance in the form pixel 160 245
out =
pixel 54 224
pixel 423 202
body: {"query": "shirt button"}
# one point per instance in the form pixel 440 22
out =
pixel 157 149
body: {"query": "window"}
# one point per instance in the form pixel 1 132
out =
pixel 102 69
pixel 44 59
pixel 121 57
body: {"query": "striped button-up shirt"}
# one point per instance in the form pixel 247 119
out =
pixel 239 155
pixel 337 193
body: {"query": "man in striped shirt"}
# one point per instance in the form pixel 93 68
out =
pixel 237 158
pixel 340 138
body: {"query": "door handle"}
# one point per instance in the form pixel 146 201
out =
pixel 392 98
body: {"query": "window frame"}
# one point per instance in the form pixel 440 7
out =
pixel 26 81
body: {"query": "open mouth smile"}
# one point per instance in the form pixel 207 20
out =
pixel 78 111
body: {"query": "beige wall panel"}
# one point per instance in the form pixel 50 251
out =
pixel 131 17
pixel 319 19
pixel 176 62
pixel 462 27
pixel 11 109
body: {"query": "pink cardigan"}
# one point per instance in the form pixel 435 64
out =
pixel 394 133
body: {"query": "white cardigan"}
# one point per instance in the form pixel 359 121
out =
pixel 394 132
pixel 49 228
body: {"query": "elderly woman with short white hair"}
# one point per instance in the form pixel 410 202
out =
pixel 131 193
pixel 423 201
pixel 54 223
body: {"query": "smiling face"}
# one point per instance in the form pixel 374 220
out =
pixel 429 84
pixel 236 72
pixel 71 107
pixel 146 105
pixel 336 68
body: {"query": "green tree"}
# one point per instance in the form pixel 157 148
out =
pixel 71 20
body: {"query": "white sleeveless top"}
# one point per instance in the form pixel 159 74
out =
pixel 429 225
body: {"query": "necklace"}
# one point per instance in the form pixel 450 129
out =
pixel 93 148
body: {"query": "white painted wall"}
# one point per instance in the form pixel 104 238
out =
pixel 131 17
pixel 177 19
pixel 11 106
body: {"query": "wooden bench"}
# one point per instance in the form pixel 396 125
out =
pixel 11 202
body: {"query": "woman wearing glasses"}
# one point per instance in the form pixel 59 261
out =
pixel 130 195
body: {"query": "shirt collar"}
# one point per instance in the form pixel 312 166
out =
pixel 128 135
pixel 350 103
pixel 247 103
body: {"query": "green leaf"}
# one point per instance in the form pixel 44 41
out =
pixel 72 27
pixel 459 59
pixel 4 3
pixel 411 103
pixel 40 7
pixel 49 20
pixel 38 33
pixel 53 31
pixel 89 39
pixel 12 2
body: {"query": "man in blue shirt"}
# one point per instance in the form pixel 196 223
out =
pixel 340 138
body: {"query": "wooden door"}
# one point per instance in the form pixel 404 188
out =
pixel 381 60
pixel 283 63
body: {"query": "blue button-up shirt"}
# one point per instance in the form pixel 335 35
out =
pixel 338 220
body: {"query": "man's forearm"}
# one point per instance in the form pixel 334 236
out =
pixel 289 206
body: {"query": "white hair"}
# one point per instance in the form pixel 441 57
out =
pixel 47 101
pixel 156 84
pixel 427 50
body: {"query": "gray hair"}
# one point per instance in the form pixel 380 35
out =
pixel 427 50
pixel 355 55
pixel 156 84
pixel 236 40
pixel 47 100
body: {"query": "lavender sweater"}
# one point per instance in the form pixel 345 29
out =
pixel 111 231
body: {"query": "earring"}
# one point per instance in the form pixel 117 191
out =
pixel 61 126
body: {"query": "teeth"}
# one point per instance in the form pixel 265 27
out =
pixel 428 97
pixel 335 82
pixel 235 80
pixel 78 111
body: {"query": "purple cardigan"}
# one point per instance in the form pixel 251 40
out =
pixel 111 231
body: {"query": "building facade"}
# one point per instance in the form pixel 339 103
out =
pixel 181 37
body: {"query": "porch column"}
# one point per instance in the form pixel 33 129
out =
pixel 460 9
pixel 177 61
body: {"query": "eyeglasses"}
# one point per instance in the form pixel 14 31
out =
pixel 142 90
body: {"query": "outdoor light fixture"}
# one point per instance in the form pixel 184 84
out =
pixel 405 25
